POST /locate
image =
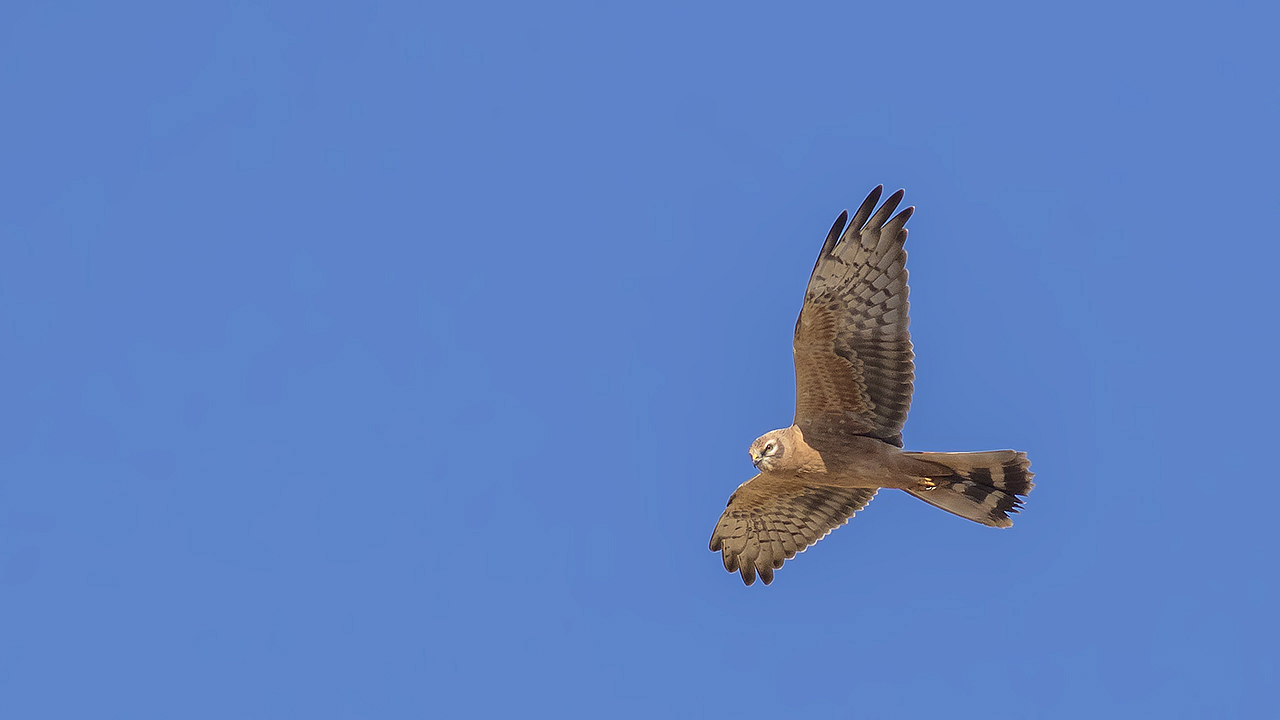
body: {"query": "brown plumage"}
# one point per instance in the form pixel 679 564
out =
pixel 854 372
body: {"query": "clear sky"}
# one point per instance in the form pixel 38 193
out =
pixel 395 360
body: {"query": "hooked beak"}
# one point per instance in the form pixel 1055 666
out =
pixel 755 460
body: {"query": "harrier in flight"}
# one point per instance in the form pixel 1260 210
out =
pixel 853 388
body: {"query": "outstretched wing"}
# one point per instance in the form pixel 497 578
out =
pixel 770 519
pixel 852 347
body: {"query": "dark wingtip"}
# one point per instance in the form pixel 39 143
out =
pixel 897 222
pixel 834 234
pixel 864 210
pixel 878 220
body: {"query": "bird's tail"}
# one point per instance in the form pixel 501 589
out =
pixel 984 487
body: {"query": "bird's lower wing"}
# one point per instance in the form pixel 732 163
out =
pixel 768 520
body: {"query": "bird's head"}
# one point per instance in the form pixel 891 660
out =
pixel 769 449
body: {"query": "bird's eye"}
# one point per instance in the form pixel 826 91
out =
pixel 769 448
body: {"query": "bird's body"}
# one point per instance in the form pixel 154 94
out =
pixel 850 461
pixel 854 371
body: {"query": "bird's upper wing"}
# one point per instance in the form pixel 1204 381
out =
pixel 770 519
pixel 852 347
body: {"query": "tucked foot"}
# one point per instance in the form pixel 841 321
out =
pixel 925 485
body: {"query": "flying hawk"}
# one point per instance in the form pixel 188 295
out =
pixel 853 388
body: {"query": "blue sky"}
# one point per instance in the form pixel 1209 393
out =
pixel 396 359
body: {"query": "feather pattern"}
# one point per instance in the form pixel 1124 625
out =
pixel 853 355
pixel 769 520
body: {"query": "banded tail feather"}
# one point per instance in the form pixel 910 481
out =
pixel 984 487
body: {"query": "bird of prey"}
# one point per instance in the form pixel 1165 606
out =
pixel 854 371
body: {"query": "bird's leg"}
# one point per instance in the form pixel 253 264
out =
pixel 924 484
